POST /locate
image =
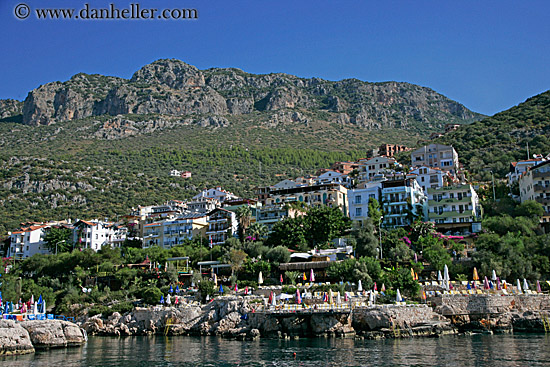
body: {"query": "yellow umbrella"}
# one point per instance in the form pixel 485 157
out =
pixel 476 277
pixel 412 273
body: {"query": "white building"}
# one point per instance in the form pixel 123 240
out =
pixel 215 193
pixel 95 234
pixel 172 232
pixel 535 185
pixel 402 200
pixel 377 166
pixel 429 178
pixel 331 176
pixel 358 200
pixel 455 209
pixel 222 224
pixel 440 156
pixel 28 241
pixel 520 167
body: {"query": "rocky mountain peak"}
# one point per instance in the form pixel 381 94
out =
pixel 172 73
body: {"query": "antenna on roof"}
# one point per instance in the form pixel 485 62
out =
pixel 527 150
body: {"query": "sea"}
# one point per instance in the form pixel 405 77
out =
pixel 463 350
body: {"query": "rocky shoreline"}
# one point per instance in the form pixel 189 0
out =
pixel 26 336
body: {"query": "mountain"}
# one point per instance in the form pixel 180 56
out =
pixel 174 88
pixel 494 142
pixel 95 146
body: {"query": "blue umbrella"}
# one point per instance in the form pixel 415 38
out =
pixel 177 289
pixel 221 289
pixel 161 299
pixel 171 290
pixel 469 286
pixel 39 299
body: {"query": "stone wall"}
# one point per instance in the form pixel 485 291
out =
pixel 452 305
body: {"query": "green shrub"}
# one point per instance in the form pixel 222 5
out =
pixel 152 296
pixel 97 309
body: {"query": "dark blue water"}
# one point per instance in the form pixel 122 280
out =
pixel 478 350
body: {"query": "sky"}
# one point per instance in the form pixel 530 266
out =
pixel 489 55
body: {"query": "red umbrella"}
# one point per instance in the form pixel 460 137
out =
pixel 281 279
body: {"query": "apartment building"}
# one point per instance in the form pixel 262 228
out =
pixel 402 200
pixel 28 241
pixel 535 185
pixel 455 209
pixel 95 234
pixel 377 166
pixel 332 195
pixel 222 224
pixel 358 200
pixel 439 156
pixel 429 178
pixel 172 232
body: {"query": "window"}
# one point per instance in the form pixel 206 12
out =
pixel 422 179
pixel 452 195
pixel 358 212
pixel 358 199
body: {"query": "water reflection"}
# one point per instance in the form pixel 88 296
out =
pixel 477 350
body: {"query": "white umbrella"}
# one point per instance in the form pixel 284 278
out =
pixel 371 297
pixel 525 285
pixel 398 296
pixel 44 306
pixel 35 308
pixel 338 299
pixel 494 276
pixel 446 277
pixel 284 296
pixel 439 277
pixel 273 301
pixel 359 286
pixel 519 287
pixel 215 280
pixel 330 297
pixel 260 278
pixel 168 300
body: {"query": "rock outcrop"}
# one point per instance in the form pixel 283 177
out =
pixel 14 339
pixel 174 88
pixel 54 333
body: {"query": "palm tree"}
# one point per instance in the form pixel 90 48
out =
pixel 257 230
pixel 243 216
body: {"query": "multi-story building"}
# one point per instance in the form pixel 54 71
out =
pixel 222 224
pixel 95 234
pixel 215 193
pixel 380 165
pixel 203 205
pixel 358 199
pixel 345 167
pixel 429 178
pixel 333 195
pixel 172 232
pixel 389 150
pixel 331 176
pixel 535 185
pixel 402 201
pixel 270 214
pixel 28 241
pixel 520 167
pixel 455 209
pixel 439 156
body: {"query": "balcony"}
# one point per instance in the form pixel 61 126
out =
pixel 543 201
pixel 539 187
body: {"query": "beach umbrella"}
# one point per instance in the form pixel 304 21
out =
pixel 207 298
pixel 304 278
pixel 311 275
pixel 171 289
pixel 519 286
pixel 475 277
pixel 281 279
pixel 44 306
pixel 346 297
pixel 494 276
pixel 236 288
pixel 330 297
pixel 359 286
pixel 468 286
pixel 325 297
pixel 375 287
pixel 412 273
pixel 539 289
pixel 35 308
pixel 260 278
pixel 215 280
pixel 474 285
pixel 446 277
pixel 499 286
pixel 298 297
pixel 439 277
pixel 178 287
pixel 383 289
pixel 415 257
pixel 525 285
pixel 424 295
pixel 270 297
pixel 162 299
pixel 371 297
pixel 246 290
pixel 221 288
pixel 486 283
pixel 398 296
pixel 32 299
pixel 168 299
pixel 338 299
pixel 273 301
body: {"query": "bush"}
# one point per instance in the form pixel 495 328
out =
pixel 97 309
pixel 206 287
pixel 152 296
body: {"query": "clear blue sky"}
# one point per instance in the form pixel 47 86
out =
pixel 488 55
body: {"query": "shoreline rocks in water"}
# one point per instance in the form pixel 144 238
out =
pixel 24 337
